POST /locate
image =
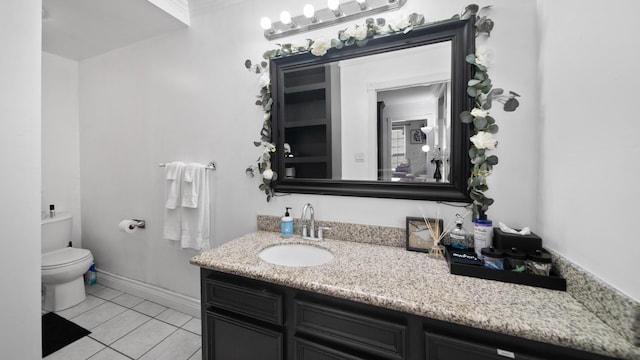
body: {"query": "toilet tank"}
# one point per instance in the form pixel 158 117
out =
pixel 56 232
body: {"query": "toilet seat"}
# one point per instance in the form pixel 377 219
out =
pixel 64 257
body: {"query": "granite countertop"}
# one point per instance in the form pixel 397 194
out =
pixel 412 282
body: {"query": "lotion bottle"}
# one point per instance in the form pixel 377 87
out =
pixel 286 226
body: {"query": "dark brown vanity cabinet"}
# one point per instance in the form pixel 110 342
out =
pixel 365 333
pixel 241 320
pixel 439 347
pixel 246 319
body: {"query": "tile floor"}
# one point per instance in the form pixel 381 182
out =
pixel 126 327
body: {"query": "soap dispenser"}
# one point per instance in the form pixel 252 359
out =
pixel 458 238
pixel 286 226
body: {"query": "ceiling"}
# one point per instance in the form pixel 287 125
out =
pixel 79 29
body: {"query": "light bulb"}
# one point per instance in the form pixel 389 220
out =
pixel 308 11
pixel 285 17
pixel 333 4
pixel 426 148
pixel 265 22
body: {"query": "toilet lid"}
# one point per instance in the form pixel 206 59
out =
pixel 64 257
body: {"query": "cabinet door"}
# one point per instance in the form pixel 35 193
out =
pixel 231 339
pixel 306 350
pixel 361 332
pixel 440 347
pixel 254 302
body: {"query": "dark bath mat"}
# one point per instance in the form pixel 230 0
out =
pixel 58 332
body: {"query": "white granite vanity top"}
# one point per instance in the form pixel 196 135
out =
pixel 412 282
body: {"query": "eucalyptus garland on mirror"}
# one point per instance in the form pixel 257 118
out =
pixel 484 94
pixel 480 88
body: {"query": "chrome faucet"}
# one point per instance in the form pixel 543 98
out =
pixel 312 226
pixel 309 207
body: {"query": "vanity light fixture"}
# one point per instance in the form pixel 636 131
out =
pixel 265 22
pixel 334 6
pixel 310 13
pixel 285 18
pixel 336 12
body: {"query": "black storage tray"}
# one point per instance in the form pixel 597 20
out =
pixel 553 282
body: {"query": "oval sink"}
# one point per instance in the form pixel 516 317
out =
pixel 296 255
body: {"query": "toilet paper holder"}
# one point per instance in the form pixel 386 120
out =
pixel 138 224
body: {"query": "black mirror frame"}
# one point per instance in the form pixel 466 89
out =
pixel 461 34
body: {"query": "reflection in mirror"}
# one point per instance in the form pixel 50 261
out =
pixel 381 120
pixel 372 142
pixel 414 134
pixel 407 118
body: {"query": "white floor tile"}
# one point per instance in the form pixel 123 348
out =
pixel 90 289
pixel 89 303
pixel 78 350
pixel 107 293
pixel 110 354
pixel 127 300
pixel 125 324
pixel 194 325
pixel 149 308
pixel 197 355
pixel 118 326
pixel 98 315
pixel 142 339
pixel 173 317
pixel 180 345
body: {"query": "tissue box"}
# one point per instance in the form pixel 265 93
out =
pixel 503 240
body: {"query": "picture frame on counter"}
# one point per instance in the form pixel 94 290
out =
pixel 418 234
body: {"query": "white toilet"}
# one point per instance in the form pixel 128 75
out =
pixel 63 267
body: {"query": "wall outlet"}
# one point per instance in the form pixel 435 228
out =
pixel 359 157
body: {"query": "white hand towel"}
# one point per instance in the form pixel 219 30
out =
pixel 172 212
pixel 192 180
pixel 196 221
pixel 174 172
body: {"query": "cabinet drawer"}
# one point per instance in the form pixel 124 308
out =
pixel 357 331
pixel 306 350
pixel 440 347
pixel 232 339
pixel 254 302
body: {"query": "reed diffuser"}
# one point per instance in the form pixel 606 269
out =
pixel 437 234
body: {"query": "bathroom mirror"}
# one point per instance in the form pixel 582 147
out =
pixel 380 120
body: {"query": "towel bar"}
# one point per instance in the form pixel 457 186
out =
pixel 210 166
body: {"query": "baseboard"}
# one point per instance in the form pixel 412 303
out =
pixel 168 298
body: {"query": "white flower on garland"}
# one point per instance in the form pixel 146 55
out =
pixel 320 46
pixel 267 174
pixel 265 79
pixel 356 32
pixel 399 23
pixel 484 140
pixel 477 112
pixel 484 57
pixel 269 147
